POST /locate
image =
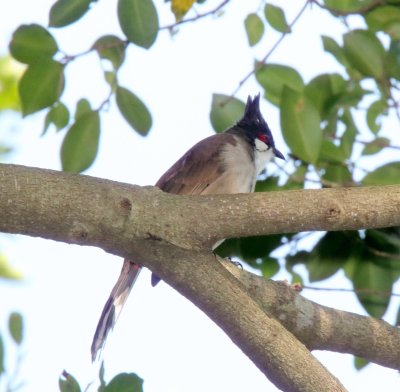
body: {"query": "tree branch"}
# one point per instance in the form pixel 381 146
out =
pixel 172 236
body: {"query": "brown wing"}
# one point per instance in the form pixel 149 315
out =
pixel 195 171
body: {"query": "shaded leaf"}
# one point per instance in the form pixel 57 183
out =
pixel 276 18
pixel 269 267
pixel 346 5
pixel 273 78
pixel 375 146
pixel 65 12
pixel 225 111
pixel 15 326
pixel 139 21
pixel 371 280
pixel 67 383
pixel 41 85
pixel 332 47
pixel 384 175
pixel 300 123
pixel 82 107
pixel 324 91
pixel 331 152
pixel 58 115
pixel 338 174
pixel 79 148
pixel 111 48
pixel 376 110
pixel 125 382
pixel 384 18
pixel 181 7
pixel 360 363
pixel 134 111
pixel 349 136
pixel 254 28
pixel 32 42
pixel 365 52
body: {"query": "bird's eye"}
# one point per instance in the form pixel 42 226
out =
pixel 263 137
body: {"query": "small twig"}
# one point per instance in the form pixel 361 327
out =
pixel 198 16
pixel 354 291
pixel 269 53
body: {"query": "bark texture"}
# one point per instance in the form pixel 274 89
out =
pixel 172 236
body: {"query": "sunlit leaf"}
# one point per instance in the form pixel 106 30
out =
pixel 41 85
pixel 384 175
pixel 346 5
pixel 225 111
pixel 276 18
pixel 365 52
pixel 67 383
pixel 254 28
pixel 10 73
pixel 300 123
pixel 111 48
pixel 65 12
pixel 125 382
pixel 7 271
pixel 79 148
pixel 32 42
pixel 269 267
pixel 15 326
pixel 181 7
pixel 134 111
pixel 273 77
pixel 139 21
pixel 331 152
pixel 332 47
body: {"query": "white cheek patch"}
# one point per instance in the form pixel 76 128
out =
pixel 260 146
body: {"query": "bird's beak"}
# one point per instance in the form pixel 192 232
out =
pixel 278 154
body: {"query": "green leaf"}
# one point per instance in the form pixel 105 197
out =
pixel 134 111
pixel 338 174
pixel 346 5
pixel 375 146
pixel 331 152
pixel 384 18
pixel 10 74
pixel 300 123
pixel 254 28
pixel 7 271
pixel 365 52
pixel 41 85
pixel 385 175
pixel 392 68
pixel 269 267
pixel 15 326
pixel 324 91
pixel 65 12
pixel 225 111
pixel 82 107
pixel 111 48
pixel 30 43
pixel 376 110
pixel 58 115
pixel 274 77
pixel 68 383
pixel 349 136
pixel 1 356
pixel 360 363
pixel 371 280
pixel 332 47
pixel 276 18
pixel 79 148
pixel 125 382
pixel 139 21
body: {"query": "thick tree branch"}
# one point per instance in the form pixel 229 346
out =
pixel 179 230
pixel 322 328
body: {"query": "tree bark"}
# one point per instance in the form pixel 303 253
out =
pixel 172 235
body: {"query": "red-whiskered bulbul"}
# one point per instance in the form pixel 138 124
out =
pixel 227 162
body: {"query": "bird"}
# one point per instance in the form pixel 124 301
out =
pixel 224 163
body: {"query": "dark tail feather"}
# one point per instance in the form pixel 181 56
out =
pixel 114 304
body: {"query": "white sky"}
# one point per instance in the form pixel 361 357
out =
pixel 160 336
